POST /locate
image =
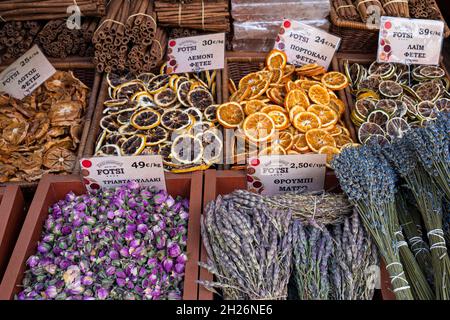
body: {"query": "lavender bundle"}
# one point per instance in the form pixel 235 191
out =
pixel 126 243
pixel 312 251
pixel 432 147
pixel 429 199
pixel 369 182
pixel 249 250
pixel 353 262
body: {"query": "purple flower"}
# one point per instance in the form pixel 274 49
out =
pixel 80 206
pixel 153 278
pixel 124 252
pixel 120 282
pixel 168 265
pixel 33 261
pixel 133 185
pixel 51 292
pixel 142 228
pixel 64 264
pixel 110 214
pixel 121 274
pixel 110 270
pixel 179 268
pixel 114 255
pixel 135 243
pixel 173 249
pixel 160 198
pixel 131 227
pixel 184 215
pixel 43 247
pixel 182 258
pixel 174 295
pixel 102 293
pixel 87 281
pixel 170 201
pixel 70 197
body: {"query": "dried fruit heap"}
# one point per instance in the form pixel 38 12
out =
pixel 170 115
pixel 122 244
pixel 41 133
pixel 393 98
pixel 287 110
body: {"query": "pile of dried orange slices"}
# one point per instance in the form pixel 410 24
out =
pixel 169 115
pixel 287 110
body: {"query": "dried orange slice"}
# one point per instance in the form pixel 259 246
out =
pixel 284 139
pixel 273 150
pixel 318 138
pixel 253 106
pixel 318 94
pixel 333 130
pixel 276 59
pixel 276 95
pixel 280 119
pixel 295 110
pixel 230 115
pixel 300 143
pixel 330 152
pixel 306 68
pixel 335 80
pixel 328 116
pixel 258 127
pixel 305 121
pixel 288 71
pixel 241 94
pixel 258 88
pixel 146 119
pixel 306 84
pixel 277 75
pixel 272 107
pixel 250 80
pixel 342 140
pixel 296 97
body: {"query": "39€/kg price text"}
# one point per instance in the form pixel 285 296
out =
pixel 225 310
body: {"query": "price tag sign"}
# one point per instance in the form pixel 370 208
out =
pixel 26 74
pixel 410 41
pixel 99 172
pixel 304 44
pixel 195 54
pixel 270 175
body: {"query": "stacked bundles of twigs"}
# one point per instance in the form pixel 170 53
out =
pixel 129 38
pixel 346 10
pixel 58 41
pixel 424 9
pixel 175 33
pixel 25 10
pixel 16 38
pixel 197 14
pixel 396 8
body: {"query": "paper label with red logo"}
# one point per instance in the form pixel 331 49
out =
pixel 410 41
pixel 270 175
pixel 304 44
pixel 108 172
pixel 196 54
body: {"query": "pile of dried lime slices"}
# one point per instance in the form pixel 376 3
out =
pixel 393 98
pixel 169 115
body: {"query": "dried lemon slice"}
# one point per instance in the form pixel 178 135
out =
pixel 108 150
pixel 210 113
pixel 146 119
pixel 133 145
pixel 165 98
pixel 187 149
pixel 175 120
pixel 158 83
pixel 156 136
pixel 200 98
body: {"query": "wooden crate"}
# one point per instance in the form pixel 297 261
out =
pixel 53 188
pixel 347 96
pixel 84 70
pixel 12 215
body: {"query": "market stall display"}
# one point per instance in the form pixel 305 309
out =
pixel 173 116
pixel 387 100
pixel 46 131
pixel 284 109
pixel 12 215
pixel 123 243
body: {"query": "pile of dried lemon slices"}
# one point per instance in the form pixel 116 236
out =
pixel 287 110
pixel 169 115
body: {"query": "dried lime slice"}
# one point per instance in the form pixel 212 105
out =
pixel 410 105
pixel 427 110
pixel 387 105
pixel 442 104
pixel 397 127
pixel 379 117
pixel 370 83
pixel 402 109
pixel 367 129
pixel 384 70
pixel 428 91
pixel 390 89
pixel 364 107
pixel 432 72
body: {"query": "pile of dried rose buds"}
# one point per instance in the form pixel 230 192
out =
pixel 122 243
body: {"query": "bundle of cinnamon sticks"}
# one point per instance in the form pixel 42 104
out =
pixel 396 8
pixel 16 37
pixel 366 8
pixel 346 10
pixel 25 10
pixel 129 38
pixel 58 41
pixel 424 9
pixel 197 14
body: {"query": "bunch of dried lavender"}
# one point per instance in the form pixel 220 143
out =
pixel 354 260
pixel 312 251
pixel 429 199
pixel 413 234
pixel 325 208
pixel 249 250
pixel 369 182
pixel 432 146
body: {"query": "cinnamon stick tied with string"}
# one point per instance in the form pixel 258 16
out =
pixel 366 8
pixel 396 8
pixel 346 10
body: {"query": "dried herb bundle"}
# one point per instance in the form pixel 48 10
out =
pixel 249 250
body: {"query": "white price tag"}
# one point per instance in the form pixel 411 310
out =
pixel 195 54
pixel 26 74
pixel 115 171
pixel 410 41
pixel 304 44
pixel 270 175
